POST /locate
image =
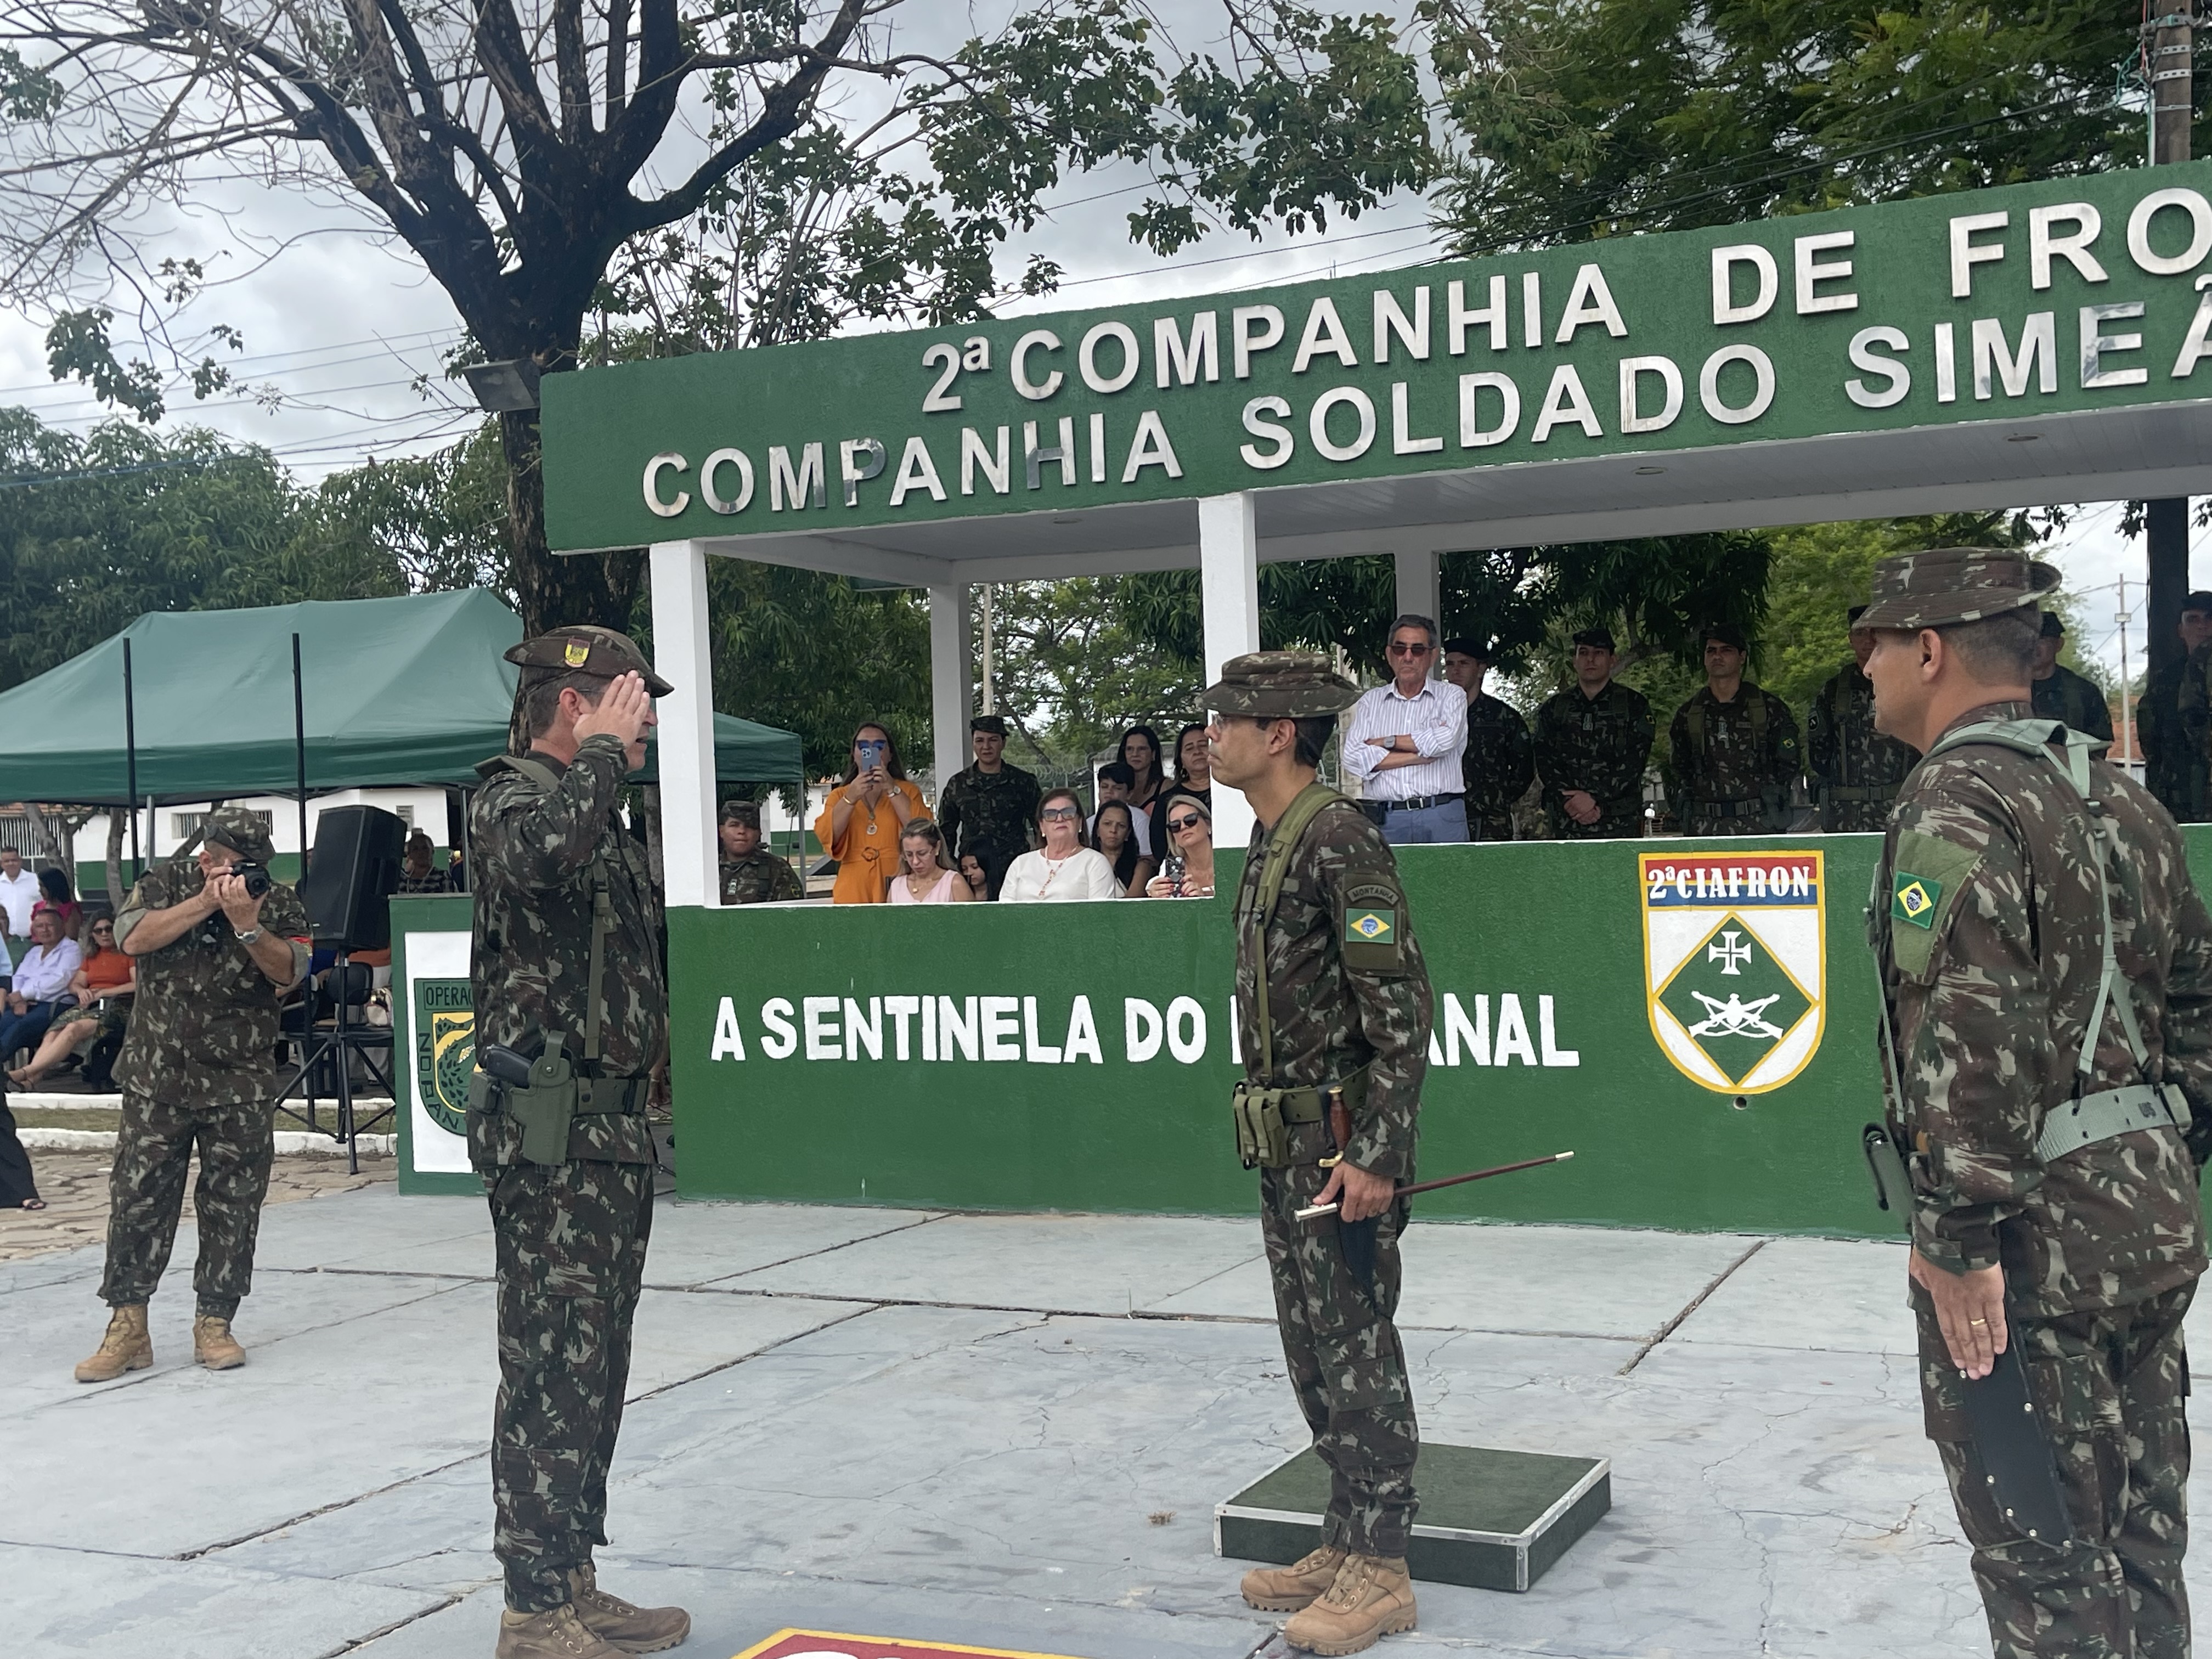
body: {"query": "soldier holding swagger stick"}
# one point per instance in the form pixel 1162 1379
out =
pixel 567 977
pixel 2046 969
pixel 1335 1005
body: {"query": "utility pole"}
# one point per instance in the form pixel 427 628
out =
pixel 2168 68
pixel 2127 719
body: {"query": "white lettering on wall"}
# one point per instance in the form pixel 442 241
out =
pixel 729 1042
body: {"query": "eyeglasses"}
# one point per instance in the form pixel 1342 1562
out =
pixel 1180 824
pixel 1061 812
pixel 1403 648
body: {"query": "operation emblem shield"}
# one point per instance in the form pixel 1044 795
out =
pixel 1735 954
pixel 445 1050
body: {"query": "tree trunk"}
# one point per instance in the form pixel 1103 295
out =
pixel 556 590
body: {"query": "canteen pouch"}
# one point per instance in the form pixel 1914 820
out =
pixel 546 1110
pixel 1892 1186
pixel 1263 1140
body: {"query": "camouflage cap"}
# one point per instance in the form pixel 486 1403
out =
pixel 1280 685
pixel 582 648
pixel 993 724
pixel 1727 633
pixel 2200 600
pixel 1477 645
pixel 1944 585
pixel 741 812
pixel 240 831
pixel 1599 639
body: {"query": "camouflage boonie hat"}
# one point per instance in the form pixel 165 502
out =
pixel 1283 685
pixel 1945 584
pixel 240 831
pixel 582 648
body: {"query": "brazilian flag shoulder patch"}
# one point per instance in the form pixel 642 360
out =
pixel 1913 898
pixel 1370 925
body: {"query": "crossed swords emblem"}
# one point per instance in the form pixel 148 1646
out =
pixel 1734 1017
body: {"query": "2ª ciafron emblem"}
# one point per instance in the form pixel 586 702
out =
pixel 1734 949
pixel 445 1050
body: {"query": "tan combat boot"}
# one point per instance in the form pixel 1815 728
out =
pixel 1285 1590
pixel 126 1347
pixel 212 1344
pixel 619 1625
pixel 558 1634
pixel 1372 1596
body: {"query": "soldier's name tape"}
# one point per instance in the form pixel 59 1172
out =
pixel 1045 1031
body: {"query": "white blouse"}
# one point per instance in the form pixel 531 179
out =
pixel 1082 874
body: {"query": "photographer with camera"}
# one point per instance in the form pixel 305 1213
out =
pixel 216 942
pixel 868 810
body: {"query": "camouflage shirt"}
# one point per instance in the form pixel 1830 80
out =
pixel 1989 993
pixel 1855 770
pixel 759 877
pixel 1339 1001
pixel 1600 744
pixel 1732 767
pixel 533 855
pixel 2067 696
pixel 204 1025
pixel 984 811
pixel 2173 720
pixel 1498 765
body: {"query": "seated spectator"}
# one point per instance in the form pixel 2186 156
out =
pixel 415 875
pixel 1193 778
pixel 19 894
pixel 1140 753
pixel 1116 781
pixel 1187 872
pixel 924 876
pixel 54 886
pixel 1063 868
pixel 984 875
pixel 41 990
pixel 457 874
pixel 101 990
pixel 1114 830
pixel 751 874
pixel 867 811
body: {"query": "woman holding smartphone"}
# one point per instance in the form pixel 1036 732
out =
pixel 868 808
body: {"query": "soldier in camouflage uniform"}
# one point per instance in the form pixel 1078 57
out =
pixel 2171 719
pixel 566 971
pixel 2047 1110
pixel 1334 1004
pixel 1854 770
pixel 989 808
pixel 751 874
pixel 1500 762
pixel 2062 695
pixel 197 1070
pixel 1592 742
pixel 1733 760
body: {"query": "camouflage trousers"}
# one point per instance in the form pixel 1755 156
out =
pixel 571 1240
pixel 2111 1386
pixel 146 1196
pixel 1346 1364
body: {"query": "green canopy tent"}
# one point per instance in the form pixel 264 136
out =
pixel 394 692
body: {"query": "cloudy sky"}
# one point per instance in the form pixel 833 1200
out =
pixel 344 334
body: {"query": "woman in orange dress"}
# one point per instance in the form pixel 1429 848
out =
pixel 867 810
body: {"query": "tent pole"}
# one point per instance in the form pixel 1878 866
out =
pixel 130 760
pixel 299 747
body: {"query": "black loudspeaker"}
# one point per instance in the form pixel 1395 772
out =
pixel 355 871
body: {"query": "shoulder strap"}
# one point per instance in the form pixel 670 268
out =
pixel 1275 855
pixel 1839 711
pixel 1695 718
pixel 2045 738
pixel 1758 720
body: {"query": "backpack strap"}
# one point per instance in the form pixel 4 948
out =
pixel 1275 855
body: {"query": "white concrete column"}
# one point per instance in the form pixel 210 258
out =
pixel 952 689
pixel 1417 590
pixel 1229 594
pixel 685 740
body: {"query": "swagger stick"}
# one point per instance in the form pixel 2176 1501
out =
pixel 1320 1210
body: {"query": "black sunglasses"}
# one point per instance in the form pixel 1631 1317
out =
pixel 1180 824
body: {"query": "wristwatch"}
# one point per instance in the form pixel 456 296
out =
pixel 248 936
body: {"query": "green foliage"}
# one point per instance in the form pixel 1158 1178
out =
pixel 1072 670
pixel 429 523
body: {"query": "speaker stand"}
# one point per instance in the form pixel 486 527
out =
pixel 340 1046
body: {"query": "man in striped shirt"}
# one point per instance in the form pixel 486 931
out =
pixel 1403 744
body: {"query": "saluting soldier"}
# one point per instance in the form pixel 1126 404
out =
pixel 1592 742
pixel 751 874
pixel 1732 748
pixel 565 975
pixel 212 958
pixel 987 808
pixel 2171 724
pixel 2062 695
pixel 1333 1005
pixel 1855 770
pixel 1500 761
pixel 2046 966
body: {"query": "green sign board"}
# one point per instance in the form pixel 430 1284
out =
pixel 2070 295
